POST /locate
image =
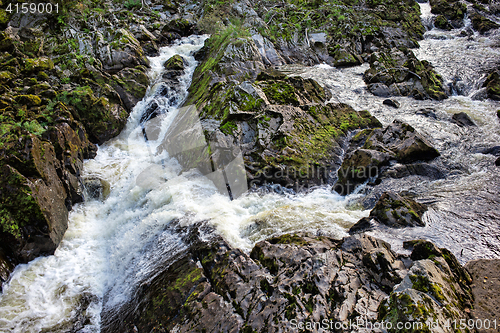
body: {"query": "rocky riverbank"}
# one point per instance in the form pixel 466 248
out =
pixel 302 279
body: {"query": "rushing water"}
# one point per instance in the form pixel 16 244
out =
pixel 112 246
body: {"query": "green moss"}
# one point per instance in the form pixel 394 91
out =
pixel 228 128
pixel 175 63
pixel 289 239
pixel 29 100
pixel 281 93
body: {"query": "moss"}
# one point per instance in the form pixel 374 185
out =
pixel 281 93
pixel 38 64
pixel 229 127
pixel 29 100
pixel 175 63
pixel 442 23
pixel 289 239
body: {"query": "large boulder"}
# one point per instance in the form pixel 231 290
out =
pixel 450 12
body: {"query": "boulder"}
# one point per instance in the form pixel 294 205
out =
pixel 362 225
pixel 175 62
pixel 397 142
pixel 462 119
pixel 403 74
pixel 482 24
pixel 96 187
pixel 391 102
pixel 397 211
pixel 453 11
pixel 492 85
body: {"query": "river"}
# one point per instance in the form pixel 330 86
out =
pixel 114 245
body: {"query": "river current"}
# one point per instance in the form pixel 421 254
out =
pixel 113 245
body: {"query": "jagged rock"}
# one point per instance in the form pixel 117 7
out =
pixel 462 119
pixel 362 225
pixel 398 141
pixel 391 102
pixel 397 211
pixel 131 85
pixel 434 280
pixel 262 115
pixel 303 277
pixel 482 24
pixel 484 274
pixel 403 75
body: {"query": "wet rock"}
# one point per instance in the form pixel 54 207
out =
pixel 485 273
pixel 452 10
pixel 442 23
pixel 462 119
pixel 362 225
pixel 96 187
pixel 403 75
pixel 6 267
pixel 397 211
pixel 150 112
pixel 492 85
pixel 398 141
pixel 358 167
pixel 391 102
pixel 495 151
pixel 215 287
pixel 175 62
pixel 497 162
pixel 482 24
pixel 415 169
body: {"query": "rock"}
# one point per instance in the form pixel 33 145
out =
pixel 492 85
pixel 482 24
pixel 485 273
pixel 403 75
pixel 96 187
pixel 495 151
pixel 462 119
pixel 497 162
pixel 215 287
pixel 442 23
pixel 452 10
pixel 362 225
pixel 397 211
pixel 175 62
pixel 398 141
pixel 359 166
pixel 391 102
pixel 131 85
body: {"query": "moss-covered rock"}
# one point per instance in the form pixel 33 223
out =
pixel 175 62
pixel 399 73
pixel 442 22
pixel 29 100
pixel 451 9
pixel 492 85
pixel 482 24
pixel 397 211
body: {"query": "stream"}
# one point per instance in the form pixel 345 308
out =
pixel 113 245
